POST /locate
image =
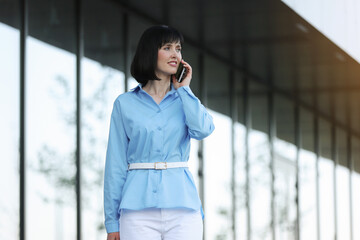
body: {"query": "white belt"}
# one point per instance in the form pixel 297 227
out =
pixel 157 165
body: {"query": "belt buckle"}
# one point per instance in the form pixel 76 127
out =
pixel 164 167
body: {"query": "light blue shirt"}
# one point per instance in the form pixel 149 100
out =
pixel 143 131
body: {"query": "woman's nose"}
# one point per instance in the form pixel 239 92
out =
pixel 175 54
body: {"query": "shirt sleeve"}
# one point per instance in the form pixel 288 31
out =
pixel 199 121
pixel 115 169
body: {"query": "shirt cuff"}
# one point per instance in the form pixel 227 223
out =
pixel 185 90
pixel 112 227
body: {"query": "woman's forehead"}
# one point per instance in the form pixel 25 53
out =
pixel 177 43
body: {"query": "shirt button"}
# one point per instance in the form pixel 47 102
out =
pixel 158 150
pixel 159 128
pixel 154 191
pixel 159 111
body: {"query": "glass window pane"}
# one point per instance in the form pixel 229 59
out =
pixel 9 122
pixel 217 160
pixel 259 169
pixel 240 178
pixel 218 209
pixel 326 183
pixel 307 178
pixel 342 187
pixel 102 81
pixel 51 141
pixel 355 155
pixel 285 169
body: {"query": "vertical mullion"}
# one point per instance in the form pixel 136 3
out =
pixel 297 160
pixel 335 159
pixel 272 156
pixel 79 55
pixel 349 160
pixel 203 98
pixel 297 140
pixel 233 114
pixel 247 123
pixel 234 119
pixel 126 48
pixel 22 164
pixel 317 153
pixel 316 145
pixel 350 166
pixel 247 119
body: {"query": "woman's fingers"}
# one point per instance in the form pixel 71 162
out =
pixel 188 69
pixel 186 81
pixel 188 76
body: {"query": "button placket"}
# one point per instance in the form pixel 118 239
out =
pixel 155 181
pixel 158 133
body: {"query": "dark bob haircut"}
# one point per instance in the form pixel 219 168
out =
pixel 145 60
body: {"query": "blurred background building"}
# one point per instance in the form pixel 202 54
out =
pixel 281 79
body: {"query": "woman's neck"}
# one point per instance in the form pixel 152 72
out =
pixel 157 87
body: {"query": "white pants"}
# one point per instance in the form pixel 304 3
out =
pixel 161 224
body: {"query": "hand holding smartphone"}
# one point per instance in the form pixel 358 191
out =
pixel 180 73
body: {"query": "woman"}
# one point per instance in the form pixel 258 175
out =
pixel 149 192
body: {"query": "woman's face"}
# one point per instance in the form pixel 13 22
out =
pixel 169 57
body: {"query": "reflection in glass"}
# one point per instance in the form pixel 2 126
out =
pixel 240 178
pixel 285 169
pixel 102 81
pixel 326 183
pixel 342 187
pixel 307 195
pixel 259 169
pixel 217 174
pixel 9 129
pixel 285 189
pixel 51 142
pixel 307 178
pixel 50 116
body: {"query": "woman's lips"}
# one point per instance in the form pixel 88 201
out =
pixel 173 64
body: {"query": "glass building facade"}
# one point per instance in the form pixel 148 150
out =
pixel 283 162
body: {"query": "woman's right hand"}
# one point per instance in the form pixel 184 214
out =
pixel 113 236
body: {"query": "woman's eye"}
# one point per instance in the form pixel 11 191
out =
pixel 178 50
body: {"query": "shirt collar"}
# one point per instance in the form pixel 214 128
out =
pixel 139 88
pixel 135 89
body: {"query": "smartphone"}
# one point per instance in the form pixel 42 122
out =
pixel 180 73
